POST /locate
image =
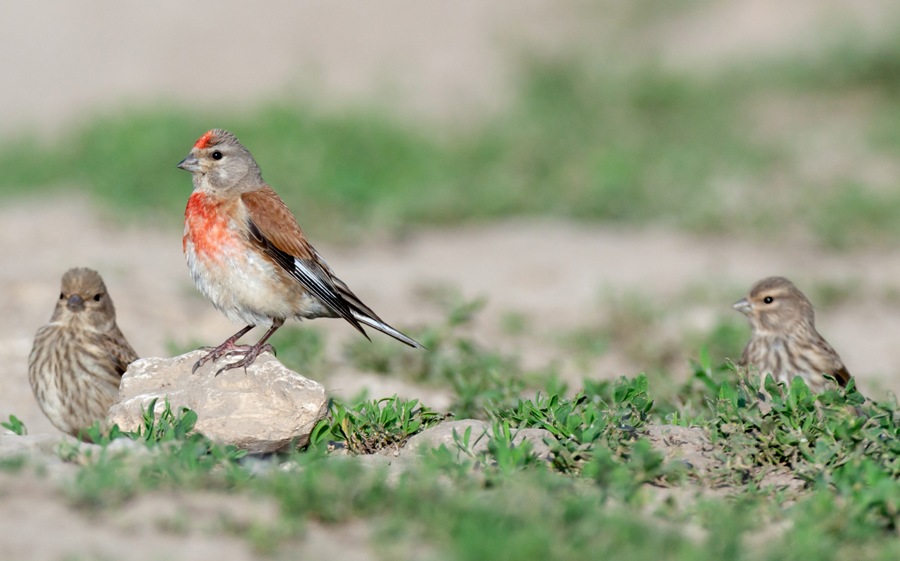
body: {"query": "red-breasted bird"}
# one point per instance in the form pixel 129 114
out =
pixel 248 255
pixel 78 359
pixel 784 340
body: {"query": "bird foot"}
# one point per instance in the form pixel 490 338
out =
pixel 227 348
pixel 249 356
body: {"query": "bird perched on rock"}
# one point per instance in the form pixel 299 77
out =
pixel 784 340
pixel 248 255
pixel 79 357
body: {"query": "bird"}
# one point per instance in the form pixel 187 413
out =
pixel 249 257
pixel 77 360
pixel 784 341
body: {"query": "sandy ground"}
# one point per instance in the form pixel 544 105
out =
pixel 63 63
pixel 201 526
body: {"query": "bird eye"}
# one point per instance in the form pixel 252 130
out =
pixel 62 296
pixel 97 297
pixel 768 299
pixel 216 155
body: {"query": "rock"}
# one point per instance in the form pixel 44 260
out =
pixel 689 445
pixel 538 439
pixel 36 445
pixel 443 434
pixel 265 409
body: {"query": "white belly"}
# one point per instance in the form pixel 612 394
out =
pixel 248 289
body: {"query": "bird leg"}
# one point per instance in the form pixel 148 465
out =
pixel 250 352
pixel 215 353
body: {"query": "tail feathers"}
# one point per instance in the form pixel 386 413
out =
pixel 386 329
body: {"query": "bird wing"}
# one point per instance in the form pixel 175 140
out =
pixel 836 369
pixel 275 231
pixel 120 351
pixel 276 223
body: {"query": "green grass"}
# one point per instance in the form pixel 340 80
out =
pixel 603 490
pixel 374 425
pixel 601 494
pixel 627 143
pixel 15 425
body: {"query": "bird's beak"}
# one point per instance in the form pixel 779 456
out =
pixel 75 303
pixel 191 164
pixel 742 306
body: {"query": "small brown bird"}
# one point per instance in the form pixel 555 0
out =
pixel 78 358
pixel 248 255
pixel 784 340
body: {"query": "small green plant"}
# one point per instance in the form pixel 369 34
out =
pixel 623 476
pixel 167 426
pixel 835 440
pixel 605 415
pixel 98 434
pixel 15 425
pixel 497 452
pixel 507 455
pixel 374 425
pixel 689 404
pixel 178 456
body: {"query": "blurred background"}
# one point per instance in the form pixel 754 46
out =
pixel 579 188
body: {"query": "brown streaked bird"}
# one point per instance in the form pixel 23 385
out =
pixel 78 359
pixel 784 340
pixel 248 255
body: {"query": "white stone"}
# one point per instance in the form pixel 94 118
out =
pixel 266 408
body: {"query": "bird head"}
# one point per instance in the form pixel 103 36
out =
pixel 219 161
pixel 776 305
pixel 83 298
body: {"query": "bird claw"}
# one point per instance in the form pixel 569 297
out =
pixel 226 349
pixel 229 349
pixel 230 367
pixel 249 352
pixel 200 363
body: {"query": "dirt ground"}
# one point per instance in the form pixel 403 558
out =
pixel 427 59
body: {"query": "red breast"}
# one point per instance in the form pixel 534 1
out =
pixel 206 225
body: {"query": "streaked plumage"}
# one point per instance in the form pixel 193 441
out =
pixel 784 340
pixel 78 358
pixel 248 255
